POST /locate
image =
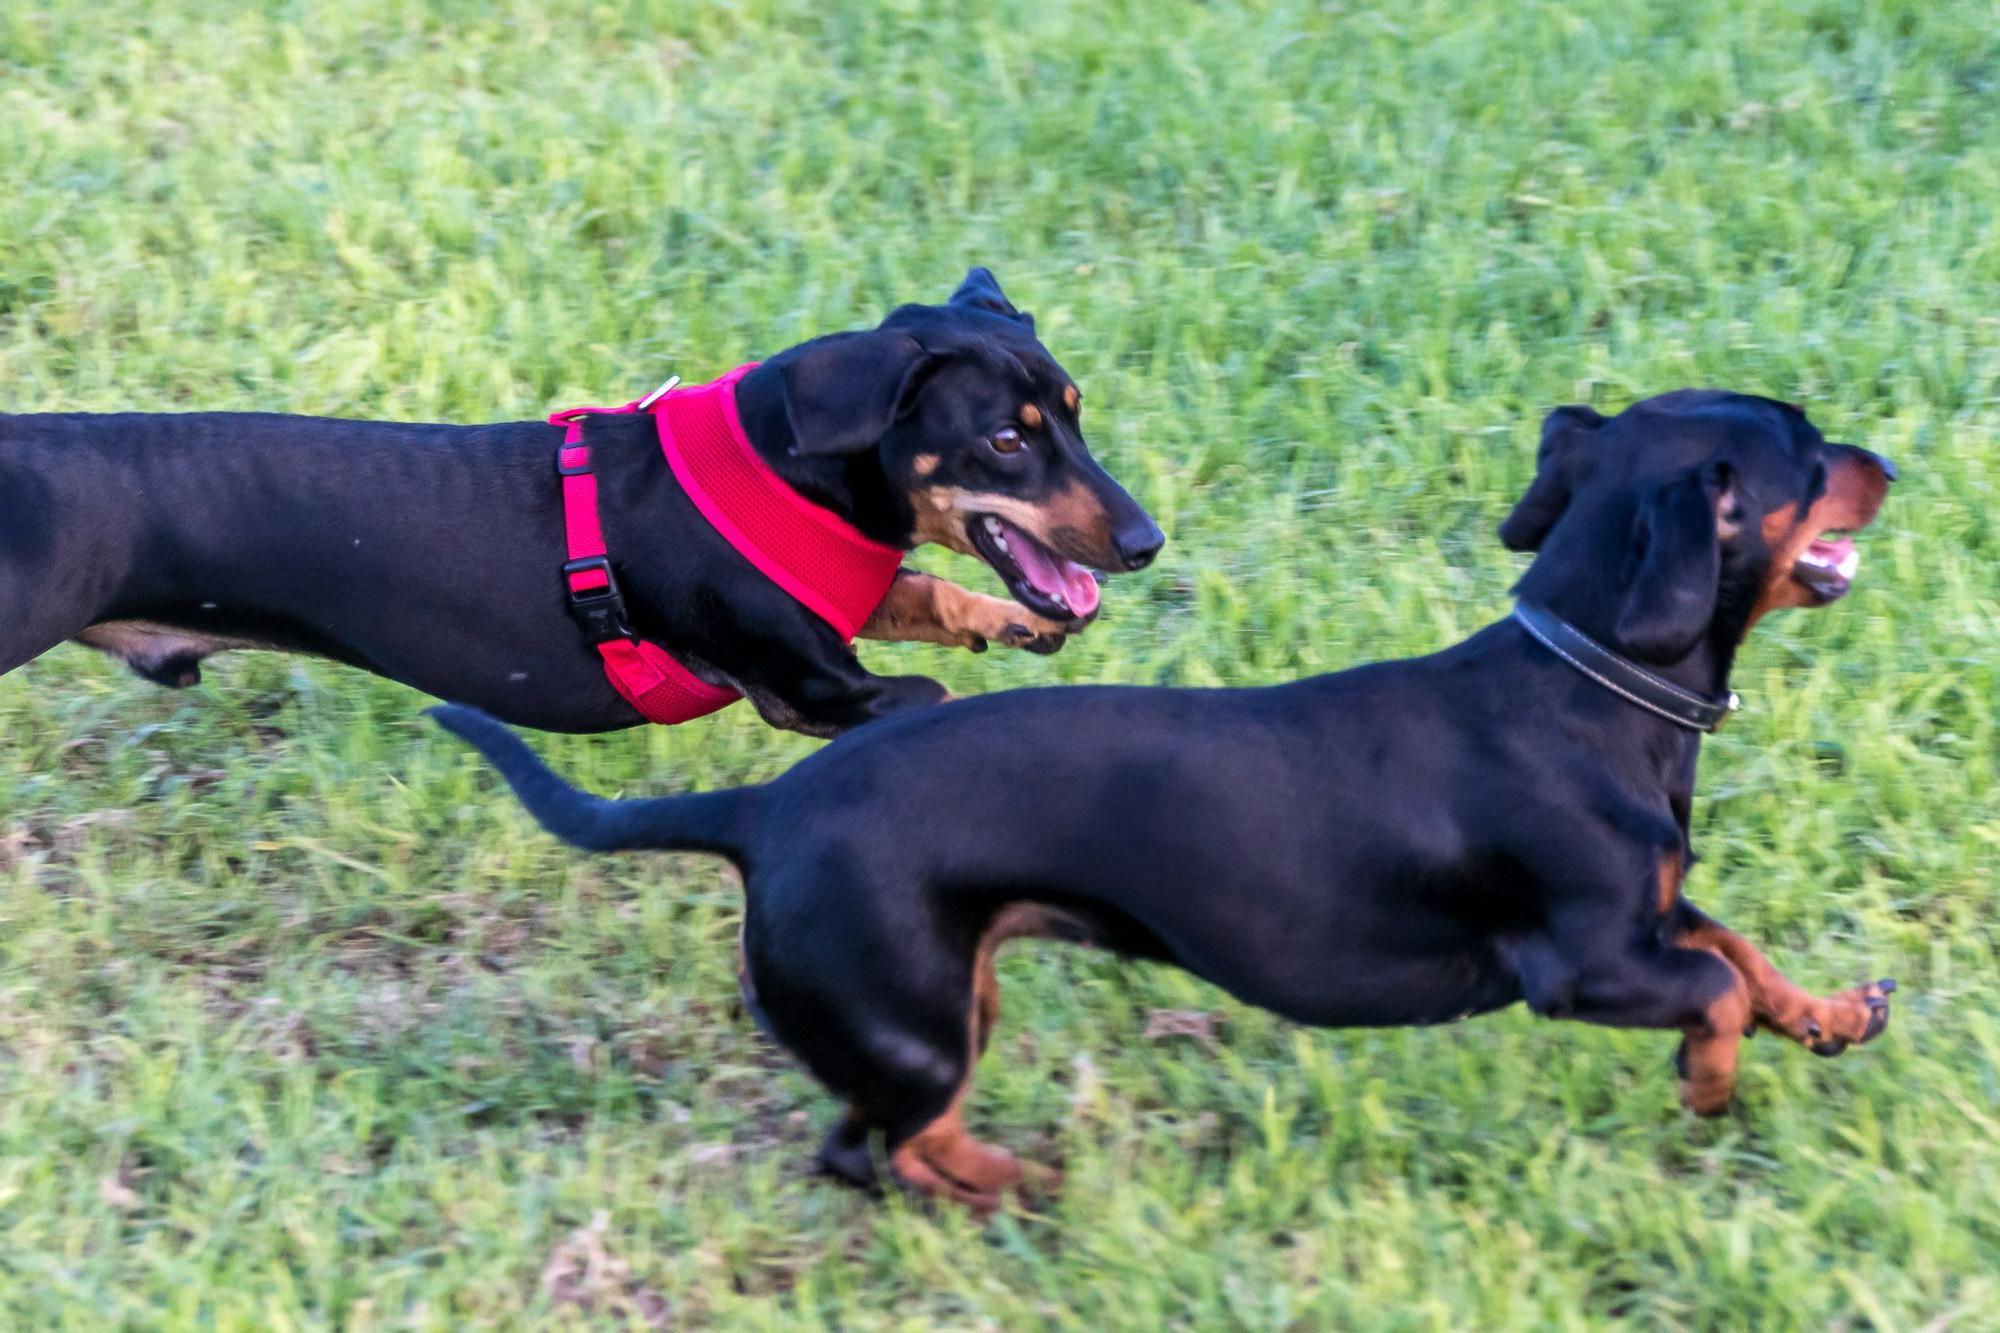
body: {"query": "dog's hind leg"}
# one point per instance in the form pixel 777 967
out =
pixel 30 625
pixel 19 646
pixel 53 580
pixel 891 1016
pixel 165 656
pixel 943 1152
pixel 913 1096
pixel 943 1160
pixel 159 653
pixel 907 1089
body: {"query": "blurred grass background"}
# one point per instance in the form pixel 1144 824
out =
pixel 301 1025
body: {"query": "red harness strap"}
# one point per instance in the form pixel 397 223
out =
pixel 660 688
pixel 812 553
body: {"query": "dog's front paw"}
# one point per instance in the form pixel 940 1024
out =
pixel 1029 639
pixel 1828 1025
pixel 975 619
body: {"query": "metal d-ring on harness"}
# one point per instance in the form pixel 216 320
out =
pixel 1622 676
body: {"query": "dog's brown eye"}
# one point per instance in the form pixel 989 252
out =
pixel 1006 440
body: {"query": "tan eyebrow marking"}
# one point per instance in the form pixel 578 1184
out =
pixel 1031 416
pixel 926 464
pixel 1071 397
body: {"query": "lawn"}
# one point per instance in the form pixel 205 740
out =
pixel 303 1025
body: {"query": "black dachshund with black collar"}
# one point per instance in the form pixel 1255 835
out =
pixel 434 554
pixel 1407 842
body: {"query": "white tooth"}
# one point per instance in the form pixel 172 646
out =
pixel 1848 564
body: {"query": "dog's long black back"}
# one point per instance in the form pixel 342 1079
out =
pixel 380 544
pixel 1138 810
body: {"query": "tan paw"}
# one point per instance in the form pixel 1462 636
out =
pixel 1832 1023
pixel 1036 636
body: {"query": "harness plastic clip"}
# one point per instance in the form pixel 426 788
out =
pixel 600 611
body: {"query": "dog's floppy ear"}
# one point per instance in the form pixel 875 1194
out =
pixel 1672 597
pixel 844 391
pixel 982 291
pixel 1564 433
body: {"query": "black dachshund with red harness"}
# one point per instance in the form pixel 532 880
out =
pixel 1407 842
pixel 608 567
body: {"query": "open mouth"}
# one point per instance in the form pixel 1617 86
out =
pixel 1826 568
pixel 1038 578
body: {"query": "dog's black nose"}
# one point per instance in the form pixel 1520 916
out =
pixel 1139 542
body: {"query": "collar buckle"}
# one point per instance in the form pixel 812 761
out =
pixel 1622 676
pixel 1730 708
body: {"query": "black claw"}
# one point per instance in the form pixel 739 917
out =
pixel 1681 1059
pixel 1887 985
pixel 978 645
pixel 1812 1027
pixel 1017 633
pixel 1828 1048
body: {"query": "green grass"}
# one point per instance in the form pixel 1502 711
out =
pixel 302 1025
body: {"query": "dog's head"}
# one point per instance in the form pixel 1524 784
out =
pixel 976 431
pixel 1694 509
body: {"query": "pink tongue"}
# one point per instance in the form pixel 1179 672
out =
pixel 1833 552
pixel 1081 586
pixel 1052 574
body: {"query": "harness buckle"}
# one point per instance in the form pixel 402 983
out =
pixel 600 611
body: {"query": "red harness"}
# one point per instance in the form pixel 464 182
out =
pixel 813 554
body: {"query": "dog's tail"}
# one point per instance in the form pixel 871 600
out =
pixel 696 822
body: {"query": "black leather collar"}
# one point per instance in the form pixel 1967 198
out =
pixel 1622 676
